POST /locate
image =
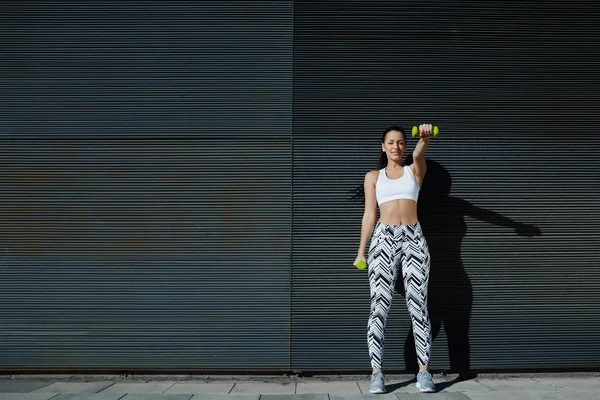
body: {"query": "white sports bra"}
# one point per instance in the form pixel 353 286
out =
pixel 405 187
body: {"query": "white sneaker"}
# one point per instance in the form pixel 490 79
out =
pixel 425 382
pixel 377 383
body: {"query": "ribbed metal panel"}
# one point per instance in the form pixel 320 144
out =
pixel 124 248
pixel 514 87
pixel 153 254
pixel 176 254
pixel 123 69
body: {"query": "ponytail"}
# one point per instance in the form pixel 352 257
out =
pixel 383 161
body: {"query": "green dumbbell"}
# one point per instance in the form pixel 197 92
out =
pixel 415 131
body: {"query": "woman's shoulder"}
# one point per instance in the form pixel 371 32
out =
pixel 372 175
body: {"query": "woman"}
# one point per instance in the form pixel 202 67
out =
pixel 397 241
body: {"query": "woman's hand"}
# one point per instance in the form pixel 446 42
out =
pixel 426 131
pixel 360 257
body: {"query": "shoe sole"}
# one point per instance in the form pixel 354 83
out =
pixel 378 392
pixel 424 390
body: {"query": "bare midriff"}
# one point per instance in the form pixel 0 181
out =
pixel 398 212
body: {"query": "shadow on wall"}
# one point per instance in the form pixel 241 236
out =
pixel 442 218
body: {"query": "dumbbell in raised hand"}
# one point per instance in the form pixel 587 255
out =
pixel 416 133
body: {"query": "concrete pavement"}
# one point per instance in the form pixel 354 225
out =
pixel 400 387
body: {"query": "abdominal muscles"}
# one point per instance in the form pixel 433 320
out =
pixel 398 212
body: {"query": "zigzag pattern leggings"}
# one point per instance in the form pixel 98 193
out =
pixel 391 246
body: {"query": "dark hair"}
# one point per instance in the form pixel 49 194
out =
pixel 359 192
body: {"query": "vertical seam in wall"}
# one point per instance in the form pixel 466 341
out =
pixel 291 264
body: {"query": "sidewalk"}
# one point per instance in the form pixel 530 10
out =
pixel 400 387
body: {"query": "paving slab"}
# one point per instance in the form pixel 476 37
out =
pixel 513 384
pixel 27 396
pixel 218 396
pixel 584 395
pixel 305 396
pixel 571 383
pixel 263 387
pixel 460 386
pixel 139 387
pixel 11 386
pixel 518 395
pixel 151 396
pixel 200 387
pixel 76 387
pixel 440 395
pixel 391 385
pixel 327 387
pixel 89 396
pixel 363 396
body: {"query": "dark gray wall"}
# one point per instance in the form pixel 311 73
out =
pixel 176 180
pixel 146 69
pixel 514 87
pixel 146 179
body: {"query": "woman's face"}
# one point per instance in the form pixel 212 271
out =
pixel 394 146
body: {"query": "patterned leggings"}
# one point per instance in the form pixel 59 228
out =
pixel 394 245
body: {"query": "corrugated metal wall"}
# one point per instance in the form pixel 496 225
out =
pixel 514 87
pixel 146 180
pixel 156 214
